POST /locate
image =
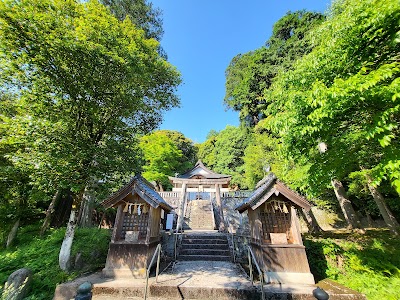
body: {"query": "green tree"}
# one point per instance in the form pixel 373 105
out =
pixel 223 152
pixel 86 85
pixel 189 150
pixel 162 158
pixel 141 13
pixel 250 74
pixel 345 94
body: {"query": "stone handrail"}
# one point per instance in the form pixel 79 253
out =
pixel 236 194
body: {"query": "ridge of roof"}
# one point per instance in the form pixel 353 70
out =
pixel 269 185
pixel 143 188
pixel 199 164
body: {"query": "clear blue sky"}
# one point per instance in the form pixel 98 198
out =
pixel 201 38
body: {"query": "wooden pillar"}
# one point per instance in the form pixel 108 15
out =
pixel 118 223
pixel 295 227
pixel 221 226
pixel 181 208
pixel 149 224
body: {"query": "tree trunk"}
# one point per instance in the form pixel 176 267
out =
pixel 49 213
pixel 345 205
pixel 12 234
pixel 311 221
pixel 86 209
pixel 387 215
pixel 65 252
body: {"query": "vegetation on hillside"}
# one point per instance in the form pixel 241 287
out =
pixel 368 263
pixel 40 254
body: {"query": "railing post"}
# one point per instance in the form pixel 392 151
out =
pixel 147 283
pixel 158 251
pixel 320 294
pixel 84 291
pixel 250 266
pixel 158 262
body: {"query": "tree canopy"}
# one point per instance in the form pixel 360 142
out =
pixel 84 85
pixel 345 94
pixel 141 13
pixel 249 74
pixel 165 153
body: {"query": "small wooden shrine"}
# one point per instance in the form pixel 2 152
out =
pixel 275 232
pixel 141 212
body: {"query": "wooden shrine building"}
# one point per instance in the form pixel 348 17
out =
pixel 141 211
pixel 275 232
pixel 202 181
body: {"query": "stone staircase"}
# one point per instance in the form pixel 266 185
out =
pixel 199 215
pixel 204 246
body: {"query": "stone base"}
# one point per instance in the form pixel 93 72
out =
pixel 127 260
pixel 124 273
pixel 289 278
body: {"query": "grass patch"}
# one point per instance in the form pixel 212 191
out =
pixel 41 256
pixel 368 263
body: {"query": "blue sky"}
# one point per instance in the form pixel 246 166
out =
pixel 201 38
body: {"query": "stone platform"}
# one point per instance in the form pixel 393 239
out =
pixel 199 280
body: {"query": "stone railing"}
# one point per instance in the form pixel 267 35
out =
pixel 172 198
pixel 236 194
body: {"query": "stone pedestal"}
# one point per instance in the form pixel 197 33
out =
pixel 284 264
pixel 128 260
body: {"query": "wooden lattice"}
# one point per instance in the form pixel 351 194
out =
pixel 135 222
pixel 276 222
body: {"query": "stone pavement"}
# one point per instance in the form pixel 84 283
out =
pixel 204 280
pixel 198 280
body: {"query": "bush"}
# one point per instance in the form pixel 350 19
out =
pixel 41 256
pixel 368 263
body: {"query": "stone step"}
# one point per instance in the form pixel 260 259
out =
pixel 201 236
pixel 204 246
pixel 219 252
pixel 204 241
pixel 204 257
pixel 193 292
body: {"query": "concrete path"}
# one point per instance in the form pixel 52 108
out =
pixel 204 280
pixel 218 280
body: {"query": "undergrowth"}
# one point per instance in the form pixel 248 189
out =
pixel 368 263
pixel 40 255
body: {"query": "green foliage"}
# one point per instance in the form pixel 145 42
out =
pixel 163 156
pixel 41 256
pixel 223 152
pixel 344 93
pixel 84 85
pixel 250 74
pixel 367 263
pixel 189 150
pixel 141 13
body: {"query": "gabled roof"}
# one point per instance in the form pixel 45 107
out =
pixel 267 187
pixel 200 170
pixel 138 185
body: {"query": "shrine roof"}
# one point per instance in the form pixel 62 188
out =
pixel 200 170
pixel 267 187
pixel 138 185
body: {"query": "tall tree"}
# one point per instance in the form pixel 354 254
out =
pixel 189 150
pixel 86 84
pixel 345 93
pixel 250 74
pixel 162 158
pixel 223 152
pixel 141 13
